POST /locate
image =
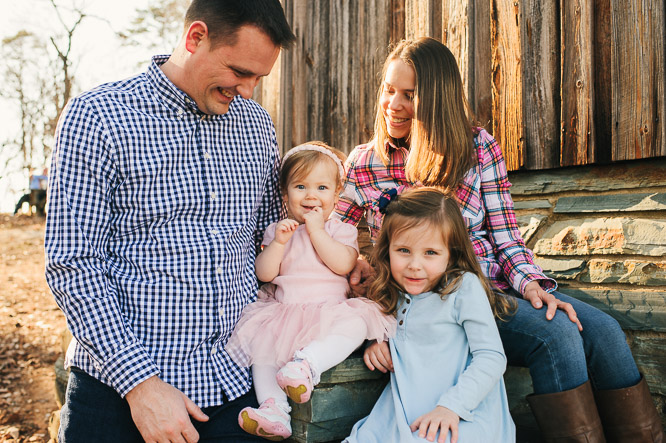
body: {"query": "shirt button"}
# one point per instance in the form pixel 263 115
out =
pixel 215 231
pixel 221 311
pixel 401 322
pixel 206 155
pixel 214 351
pixel 408 301
pixel 213 195
pixel 404 310
pixel 219 269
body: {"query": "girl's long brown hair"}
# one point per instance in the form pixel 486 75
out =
pixel 441 212
pixel 441 139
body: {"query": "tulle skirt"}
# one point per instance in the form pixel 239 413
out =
pixel 270 332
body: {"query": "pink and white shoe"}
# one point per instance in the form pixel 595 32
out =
pixel 268 421
pixel 295 379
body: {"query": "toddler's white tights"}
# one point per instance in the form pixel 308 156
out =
pixel 321 354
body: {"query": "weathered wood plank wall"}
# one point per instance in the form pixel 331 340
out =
pixel 577 118
pixel 557 83
pixel 541 82
pixel 638 79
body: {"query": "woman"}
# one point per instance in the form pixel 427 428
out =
pixel 424 136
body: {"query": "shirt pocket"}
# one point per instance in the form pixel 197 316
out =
pixel 469 195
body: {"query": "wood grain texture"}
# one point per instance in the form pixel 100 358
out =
pixel 603 97
pixel 397 20
pixel 330 77
pixel 578 133
pixel 507 81
pixel 456 35
pixel 422 19
pixel 638 79
pixel 480 91
pixel 374 36
pixel 541 82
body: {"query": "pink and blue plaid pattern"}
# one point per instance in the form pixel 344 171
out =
pixel 485 203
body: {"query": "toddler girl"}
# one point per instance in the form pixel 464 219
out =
pixel 302 323
pixel 447 358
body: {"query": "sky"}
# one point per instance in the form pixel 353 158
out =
pixel 99 54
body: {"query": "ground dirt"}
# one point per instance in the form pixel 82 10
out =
pixel 30 329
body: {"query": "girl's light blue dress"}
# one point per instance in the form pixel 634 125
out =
pixel 445 352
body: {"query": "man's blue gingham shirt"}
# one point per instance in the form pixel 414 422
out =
pixel 155 211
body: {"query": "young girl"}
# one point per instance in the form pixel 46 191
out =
pixel 447 356
pixel 302 324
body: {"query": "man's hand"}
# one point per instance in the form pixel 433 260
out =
pixel 537 297
pixel 361 277
pixel 162 413
pixel 378 356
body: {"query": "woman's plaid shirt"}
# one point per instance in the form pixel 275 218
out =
pixel 484 198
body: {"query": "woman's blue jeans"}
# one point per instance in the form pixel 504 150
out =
pixel 559 356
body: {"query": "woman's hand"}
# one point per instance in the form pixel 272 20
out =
pixel 537 297
pixel 361 277
pixel 439 419
pixel 378 356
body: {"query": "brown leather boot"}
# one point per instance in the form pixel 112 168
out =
pixel 570 416
pixel 629 415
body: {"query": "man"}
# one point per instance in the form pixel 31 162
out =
pixel 162 185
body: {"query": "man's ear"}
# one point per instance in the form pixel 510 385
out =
pixel 197 33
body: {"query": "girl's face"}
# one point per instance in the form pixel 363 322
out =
pixel 397 99
pixel 418 258
pixel 318 188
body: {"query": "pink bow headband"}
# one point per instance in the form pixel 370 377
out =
pixel 327 152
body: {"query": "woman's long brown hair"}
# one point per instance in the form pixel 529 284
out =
pixel 434 208
pixel 441 139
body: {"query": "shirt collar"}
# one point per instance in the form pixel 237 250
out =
pixel 175 98
pixel 389 145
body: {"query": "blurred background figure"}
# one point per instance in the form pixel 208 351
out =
pixel 36 197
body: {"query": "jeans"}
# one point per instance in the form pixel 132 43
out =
pixel 559 356
pixel 94 412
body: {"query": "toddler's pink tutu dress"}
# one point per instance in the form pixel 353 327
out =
pixel 302 304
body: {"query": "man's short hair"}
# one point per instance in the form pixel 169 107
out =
pixel 225 17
